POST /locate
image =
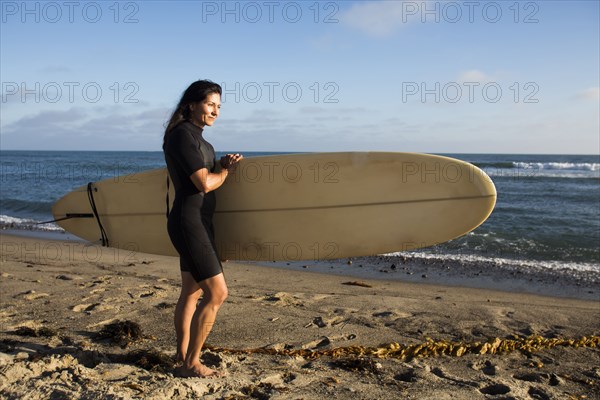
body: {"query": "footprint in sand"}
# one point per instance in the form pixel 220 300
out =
pixel 383 314
pixel 487 367
pixel 538 394
pixel 144 291
pixel 396 314
pixel 392 318
pixel 32 295
pixel 409 376
pixel 440 373
pixel 324 341
pixel 97 283
pixel 83 307
pixel 142 294
pixel 88 308
pixel 102 279
pixel 495 389
pixel 65 277
pixel 281 299
pixel 530 377
pixel 318 343
pixel 346 310
pixel 292 299
pixel 323 323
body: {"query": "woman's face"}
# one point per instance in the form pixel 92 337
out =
pixel 206 112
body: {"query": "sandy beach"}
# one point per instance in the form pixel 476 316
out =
pixel 81 321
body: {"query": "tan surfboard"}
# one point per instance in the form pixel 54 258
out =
pixel 297 207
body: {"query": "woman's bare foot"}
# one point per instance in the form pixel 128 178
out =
pixel 179 361
pixel 197 371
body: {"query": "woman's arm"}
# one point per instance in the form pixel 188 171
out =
pixel 207 181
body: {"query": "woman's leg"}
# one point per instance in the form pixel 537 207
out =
pixel 215 293
pixel 184 311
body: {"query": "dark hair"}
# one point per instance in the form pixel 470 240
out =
pixel 196 92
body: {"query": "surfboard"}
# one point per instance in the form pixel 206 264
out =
pixel 297 206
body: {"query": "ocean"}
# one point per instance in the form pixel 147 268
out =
pixel 547 212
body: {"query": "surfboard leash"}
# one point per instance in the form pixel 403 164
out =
pixel 68 216
pixel 90 192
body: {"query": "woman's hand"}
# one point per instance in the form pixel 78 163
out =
pixel 230 161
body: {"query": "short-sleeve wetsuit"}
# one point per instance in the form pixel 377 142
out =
pixel 190 224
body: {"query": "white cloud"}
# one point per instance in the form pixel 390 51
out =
pixel 313 110
pixel 589 94
pixel 473 75
pixel 56 69
pixel 333 110
pixel 77 128
pixel 380 18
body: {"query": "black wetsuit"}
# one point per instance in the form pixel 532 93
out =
pixel 190 224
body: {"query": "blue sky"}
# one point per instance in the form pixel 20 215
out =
pixel 422 76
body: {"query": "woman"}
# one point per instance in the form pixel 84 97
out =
pixel 195 175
